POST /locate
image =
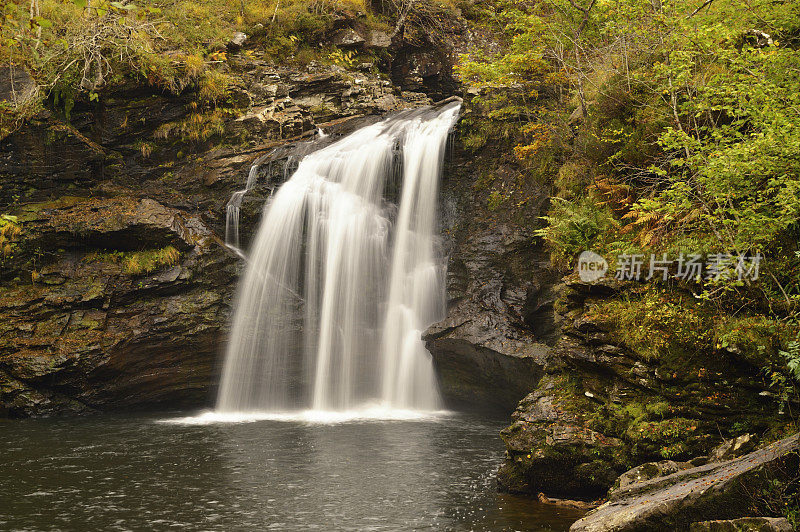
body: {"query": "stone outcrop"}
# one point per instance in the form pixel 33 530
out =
pixel 549 450
pixel 485 353
pixel 492 348
pixel 712 491
pixel 610 409
pixel 108 319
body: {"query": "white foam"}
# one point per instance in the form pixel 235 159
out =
pixel 322 417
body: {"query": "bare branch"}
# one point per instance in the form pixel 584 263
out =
pixel 696 11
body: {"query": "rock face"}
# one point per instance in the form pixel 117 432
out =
pixel 602 408
pixel 137 326
pixel 549 450
pixel 485 353
pixel 711 491
pixel 493 346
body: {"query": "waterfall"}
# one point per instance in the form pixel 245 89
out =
pixel 344 275
pixel 235 203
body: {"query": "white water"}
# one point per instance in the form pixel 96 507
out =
pixel 235 204
pixel 364 413
pixel 341 282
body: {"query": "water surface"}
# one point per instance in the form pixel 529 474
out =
pixel 133 473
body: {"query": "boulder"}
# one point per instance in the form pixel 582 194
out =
pixel 348 38
pixel 711 491
pixel 237 41
pixel 733 448
pixel 379 39
pixel 548 448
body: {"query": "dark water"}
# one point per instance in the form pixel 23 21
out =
pixel 134 473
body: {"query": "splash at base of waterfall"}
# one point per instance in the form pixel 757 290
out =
pixel 368 413
pixel 344 275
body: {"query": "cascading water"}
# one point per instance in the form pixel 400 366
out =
pixel 341 282
pixel 235 203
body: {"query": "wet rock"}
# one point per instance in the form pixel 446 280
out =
pixel 474 376
pixel 733 448
pixel 711 491
pixel 744 524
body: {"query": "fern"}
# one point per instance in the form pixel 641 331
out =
pixel 792 356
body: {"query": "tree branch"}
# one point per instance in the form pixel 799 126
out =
pixel 696 11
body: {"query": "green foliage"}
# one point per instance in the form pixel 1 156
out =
pixel 496 199
pixel 662 324
pixel 756 339
pixel 792 356
pixel 10 231
pixel 197 127
pixel 75 48
pixel 139 262
pixel 685 118
pixel 658 324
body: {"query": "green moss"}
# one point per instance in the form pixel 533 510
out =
pixel 197 127
pixel 673 327
pixel 10 231
pixel 755 339
pixel 138 262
